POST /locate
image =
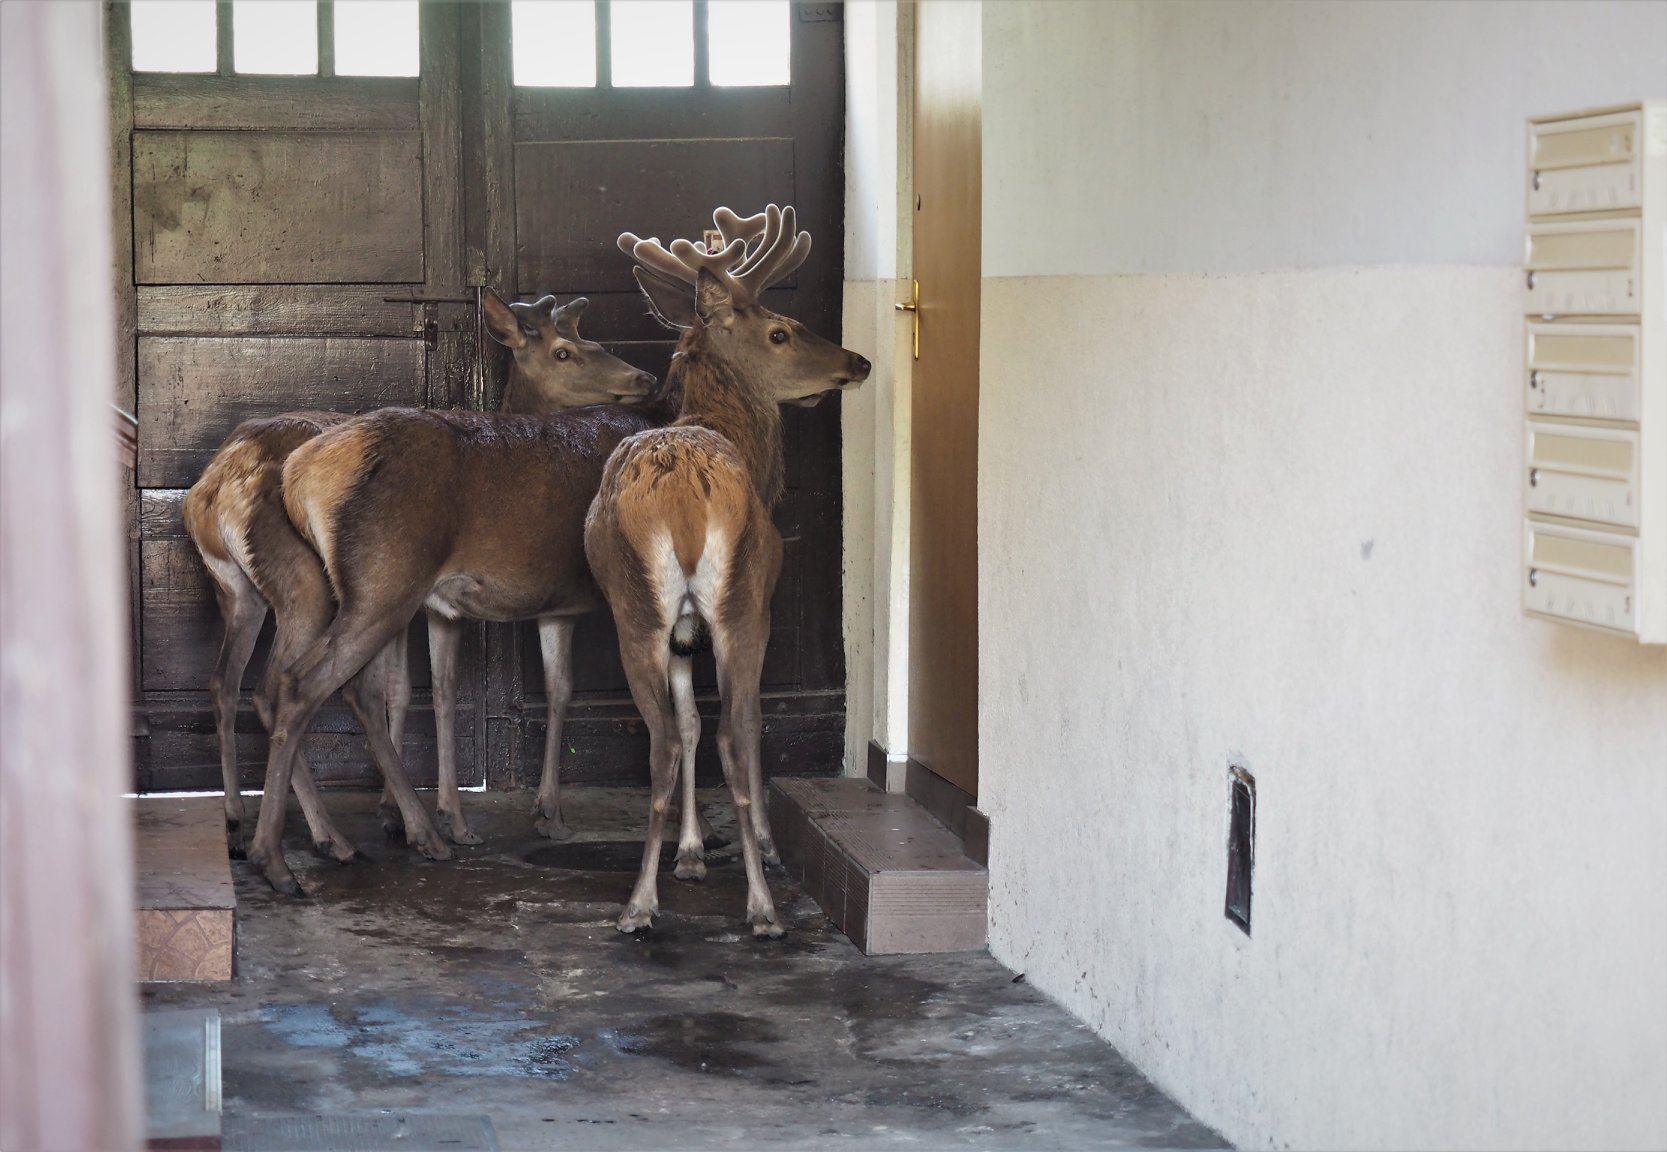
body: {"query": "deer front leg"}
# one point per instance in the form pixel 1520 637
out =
pixel 396 670
pixel 244 612
pixel 445 637
pixel 555 642
pixel 691 846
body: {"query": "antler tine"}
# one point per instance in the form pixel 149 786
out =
pixel 732 227
pixel 783 249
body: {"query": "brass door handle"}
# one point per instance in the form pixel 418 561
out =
pixel 913 306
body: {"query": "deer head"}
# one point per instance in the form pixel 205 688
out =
pixel 717 294
pixel 555 367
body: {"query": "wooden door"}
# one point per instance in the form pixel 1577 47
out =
pixel 943 544
pixel 584 164
pixel 270 233
pixel 313 241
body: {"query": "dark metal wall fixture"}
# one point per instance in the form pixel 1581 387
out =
pixel 1241 845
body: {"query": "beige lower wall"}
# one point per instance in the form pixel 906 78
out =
pixel 1275 518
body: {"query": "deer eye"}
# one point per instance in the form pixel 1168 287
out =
pixel 563 354
pixel 778 336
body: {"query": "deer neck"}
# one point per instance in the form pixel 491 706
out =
pixel 520 397
pixel 742 411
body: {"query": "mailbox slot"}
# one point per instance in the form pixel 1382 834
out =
pixel 1586 165
pixel 1579 576
pixel 1582 473
pixel 1588 370
pixel 1582 269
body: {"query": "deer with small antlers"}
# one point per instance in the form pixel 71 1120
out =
pixel 256 559
pixel 680 538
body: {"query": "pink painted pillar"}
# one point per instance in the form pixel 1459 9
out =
pixel 69 1055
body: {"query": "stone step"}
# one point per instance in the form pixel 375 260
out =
pixel 186 906
pixel 891 876
pixel 182 1078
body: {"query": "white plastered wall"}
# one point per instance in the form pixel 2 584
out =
pixel 1250 438
pixel 875 417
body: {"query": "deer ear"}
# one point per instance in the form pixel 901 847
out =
pixel 713 303
pixel 501 322
pixel 671 302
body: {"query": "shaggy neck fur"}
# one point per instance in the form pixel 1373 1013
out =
pixel 740 410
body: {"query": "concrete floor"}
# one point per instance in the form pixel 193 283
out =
pixel 497 985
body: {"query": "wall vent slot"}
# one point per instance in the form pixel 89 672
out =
pixel 1241 845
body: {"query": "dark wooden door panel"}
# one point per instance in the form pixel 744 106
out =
pixel 277 208
pixel 277 232
pixel 273 310
pixel 193 390
pixel 573 198
pixel 198 103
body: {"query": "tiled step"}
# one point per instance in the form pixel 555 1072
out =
pixel 186 902
pixel 182 1078
pixel 892 877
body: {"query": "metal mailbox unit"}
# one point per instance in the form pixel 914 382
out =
pixel 1595 398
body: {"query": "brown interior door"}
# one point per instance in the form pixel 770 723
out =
pixel 268 227
pixel 943 544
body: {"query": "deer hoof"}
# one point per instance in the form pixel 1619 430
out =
pixel 456 830
pixel 393 820
pixel 767 850
pixel 553 828
pixel 765 926
pixel 277 872
pixel 634 918
pixel 237 842
pixel 690 866
pixel 431 846
pixel 338 850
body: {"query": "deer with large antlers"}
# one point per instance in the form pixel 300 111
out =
pixel 256 559
pixel 680 537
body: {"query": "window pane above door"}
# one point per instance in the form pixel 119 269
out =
pixel 653 43
pixel 275 37
pixel 554 43
pixel 173 35
pixel 376 38
pixel 750 41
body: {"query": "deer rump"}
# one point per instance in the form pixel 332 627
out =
pixel 684 504
pixel 482 513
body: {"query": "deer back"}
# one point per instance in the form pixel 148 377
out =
pixel 493 503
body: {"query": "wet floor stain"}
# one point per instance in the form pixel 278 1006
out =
pixel 427 1036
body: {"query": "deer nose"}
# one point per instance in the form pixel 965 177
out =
pixel 645 381
pixel 863 367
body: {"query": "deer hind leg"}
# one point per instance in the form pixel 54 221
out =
pixel 294 581
pixel 244 611
pixel 445 636
pixel 555 642
pixel 297 625
pixel 352 641
pixel 740 653
pixel 691 844
pixel 646 666
pixel 367 695
pixel 396 665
